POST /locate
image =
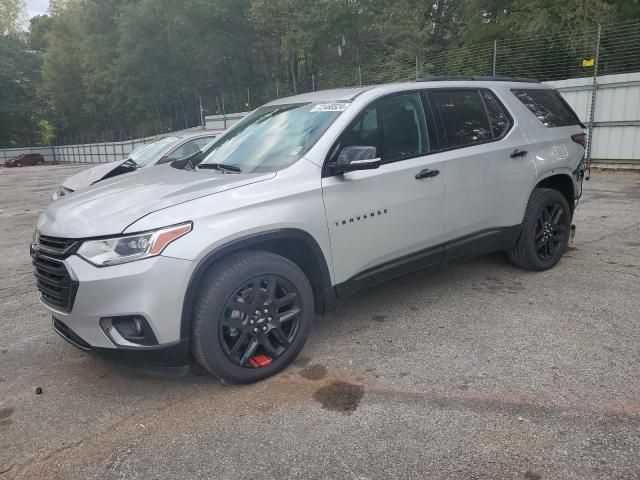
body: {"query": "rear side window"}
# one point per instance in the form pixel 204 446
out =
pixel 548 106
pixel 498 118
pixel 463 117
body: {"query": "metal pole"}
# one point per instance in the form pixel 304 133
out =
pixel 248 98
pixel 201 111
pixel 594 91
pixel 359 76
pixel 224 115
pixel 277 88
pixel 495 56
pixel 417 74
pixel 313 82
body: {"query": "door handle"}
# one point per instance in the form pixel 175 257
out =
pixel 518 153
pixel 426 173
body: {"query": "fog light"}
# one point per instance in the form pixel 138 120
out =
pixel 129 331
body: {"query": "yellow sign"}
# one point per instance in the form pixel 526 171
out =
pixel 587 62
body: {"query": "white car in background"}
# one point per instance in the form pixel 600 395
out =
pixel 163 150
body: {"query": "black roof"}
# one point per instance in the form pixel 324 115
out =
pixel 443 78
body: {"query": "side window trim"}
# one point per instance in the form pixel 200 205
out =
pixel 486 112
pixel 333 151
pixel 437 118
pixel 502 107
pixel 443 147
pixel 435 141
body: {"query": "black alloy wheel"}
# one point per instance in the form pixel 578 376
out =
pixel 260 320
pixel 545 231
pixel 550 231
pixel 252 316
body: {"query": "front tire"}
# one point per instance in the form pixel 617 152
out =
pixel 545 231
pixel 252 317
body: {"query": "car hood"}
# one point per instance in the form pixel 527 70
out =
pixel 91 175
pixel 111 206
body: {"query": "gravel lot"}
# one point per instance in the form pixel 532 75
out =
pixel 479 370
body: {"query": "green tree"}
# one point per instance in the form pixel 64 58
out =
pixel 135 67
pixel 11 16
pixel 18 104
pixel 39 27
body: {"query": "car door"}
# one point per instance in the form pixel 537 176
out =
pixel 488 167
pixel 381 219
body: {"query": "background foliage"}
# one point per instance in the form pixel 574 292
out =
pixel 92 69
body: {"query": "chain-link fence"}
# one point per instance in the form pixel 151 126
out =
pixel 573 54
pixel 606 49
pixel 577 54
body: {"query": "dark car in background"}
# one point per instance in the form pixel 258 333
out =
pixel 25 159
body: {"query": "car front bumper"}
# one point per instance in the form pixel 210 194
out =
pixel 152 289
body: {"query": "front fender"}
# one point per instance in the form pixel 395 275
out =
pixel 245 243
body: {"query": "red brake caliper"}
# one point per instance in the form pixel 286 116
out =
pixel 259 361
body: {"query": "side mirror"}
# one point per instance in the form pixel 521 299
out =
pixel 357 158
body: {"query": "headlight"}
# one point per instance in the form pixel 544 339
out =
pixel 113 251
pixel 61 192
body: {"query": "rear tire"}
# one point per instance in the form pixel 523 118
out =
pixel 545 231
pixel 252 316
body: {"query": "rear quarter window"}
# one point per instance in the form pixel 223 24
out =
pixel 548 106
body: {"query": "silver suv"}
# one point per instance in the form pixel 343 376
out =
pixel 227 258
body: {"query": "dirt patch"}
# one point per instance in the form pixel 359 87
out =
pixel 314 372
pixel 378 318
pixel 302 361
pixel 529 475
pixel 494 285
pixel 340 396
pixel 6 412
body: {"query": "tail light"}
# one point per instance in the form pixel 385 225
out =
pixel 580 138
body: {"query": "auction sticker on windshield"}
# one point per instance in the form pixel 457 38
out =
pixel 330 107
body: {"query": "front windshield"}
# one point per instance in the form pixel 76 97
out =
pixel 146 154
pixel 272 137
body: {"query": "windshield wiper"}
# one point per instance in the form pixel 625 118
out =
pixel 221 166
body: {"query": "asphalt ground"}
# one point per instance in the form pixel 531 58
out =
pixel 475 371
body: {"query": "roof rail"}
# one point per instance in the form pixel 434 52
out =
pixel 443 78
